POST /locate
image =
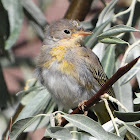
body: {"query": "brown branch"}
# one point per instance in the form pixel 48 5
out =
pixel 78 9
pixel 10 128
pixel 94 99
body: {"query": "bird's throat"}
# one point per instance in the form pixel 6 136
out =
pixel 58 52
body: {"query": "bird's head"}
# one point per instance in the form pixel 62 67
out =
pixel 65 31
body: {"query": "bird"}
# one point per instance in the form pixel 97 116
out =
pixel 69 70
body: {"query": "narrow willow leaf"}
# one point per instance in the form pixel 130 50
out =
pixel 27 98
pixel 105 19
pixel 43 121
pixel 128 117
pixel 99 50
pixel 116 30
pixel 92 39
pixel 134 130
pixel 36 105
pixel 30 82
pixel 39 31
pixel 87 24
pixel 105 11
pixel 131 73
pixel 134 53
pixel 122 131
pixel 58 133
pixel 124 27
pixel 136 101
pixel 123 92
pixel 138 95
pixel 85 136
pixel 35 12
pixel 108 60
pixel 24 92
pixel 15 14
pixel 86 124
pixel 90 126
pixel 138 78
pixel 19 126
pixel 113 40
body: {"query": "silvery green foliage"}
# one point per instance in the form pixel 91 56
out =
pixel 107 40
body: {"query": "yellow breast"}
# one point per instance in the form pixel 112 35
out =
pixel 58 54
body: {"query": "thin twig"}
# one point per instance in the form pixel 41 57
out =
pixel 110 98
pixel 127 10
pixel 127 52
pixel 129 22
pixel 111 115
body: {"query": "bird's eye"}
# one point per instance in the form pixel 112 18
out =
pixel 67 31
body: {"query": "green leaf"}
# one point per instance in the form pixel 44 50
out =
pixel 36 105
pixel 43 121
pixel 131 73
pixel 136 101
pixel 27 98
pixel 122 131
pixel 134 53
pixel 128 117
pixel 92 39
pixel 134 130
pixel 138 95
pixel 4 121
pixel 15 14
pixel 101 24
pixel 116 30
pixel 34 12
pixel 58 133
pixel 36 17
pixel 19 126
pixel 138 78
pixel 108 60
pixel 87 24
pixel 106 11
pixel 24 92
pixel 87 124
pixel 123 92
pixel 84 136
pixel 113 40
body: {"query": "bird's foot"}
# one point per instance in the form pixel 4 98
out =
pixel 82 107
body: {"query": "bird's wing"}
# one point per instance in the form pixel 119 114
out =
pixel 94 65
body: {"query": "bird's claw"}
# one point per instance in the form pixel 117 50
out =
pixel 82 107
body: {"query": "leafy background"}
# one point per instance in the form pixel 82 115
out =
pixel 21 34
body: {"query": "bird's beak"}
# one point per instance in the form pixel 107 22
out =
pixel 82 33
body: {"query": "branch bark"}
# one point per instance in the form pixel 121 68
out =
pixel 78 9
